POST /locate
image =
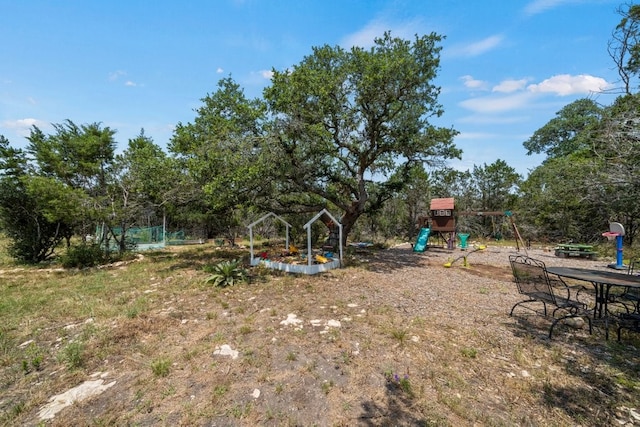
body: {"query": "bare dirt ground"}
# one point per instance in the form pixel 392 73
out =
pixel 395 339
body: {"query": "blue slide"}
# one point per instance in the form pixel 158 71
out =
pixel 421 241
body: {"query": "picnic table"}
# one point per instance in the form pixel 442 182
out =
pixel 565 250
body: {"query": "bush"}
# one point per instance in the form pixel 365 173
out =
pixel 72 355
pixel 82 256
pixel 226 273
pixel 160 367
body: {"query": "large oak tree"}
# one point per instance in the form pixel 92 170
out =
pixel 348 125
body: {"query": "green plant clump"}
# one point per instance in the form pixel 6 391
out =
pixel 72 355
pixel 83 256
pixel 160 367
pixel 227 273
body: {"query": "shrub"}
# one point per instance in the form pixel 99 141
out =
pixel 83 256
pixel 226 273
pixel 160 367
pixel 72 355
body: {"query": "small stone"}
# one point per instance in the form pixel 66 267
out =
pixel 256 393
pixel 575 322
pixel 226 350
pixel 291 319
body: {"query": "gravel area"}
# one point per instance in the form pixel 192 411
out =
pixel 331 350
pixel 499 256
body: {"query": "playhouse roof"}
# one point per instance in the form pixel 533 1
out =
pixel 446 203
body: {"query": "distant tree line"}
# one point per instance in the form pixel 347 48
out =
pixel 345 130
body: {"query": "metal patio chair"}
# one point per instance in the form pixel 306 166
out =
pixel 532 280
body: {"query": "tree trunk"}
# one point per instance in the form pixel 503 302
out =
pixel 348 222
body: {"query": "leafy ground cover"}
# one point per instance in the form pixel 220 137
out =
pixel 395 338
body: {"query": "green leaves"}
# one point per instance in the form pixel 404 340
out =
pixel 222 148
pixel 568 132
pixel 348 121
pixel 227 273
pixel 77 155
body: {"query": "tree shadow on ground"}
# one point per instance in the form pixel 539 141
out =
pixel 396 409
pixel 196 256
pixel 609 371
pixel 397 258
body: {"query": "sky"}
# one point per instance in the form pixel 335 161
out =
pixel 506 69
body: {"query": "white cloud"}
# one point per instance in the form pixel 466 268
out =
pixel 509 86
pixel 115 75
pixel 476 135
pixel 539 6
pixel 472 83
pixel 566 84
pixel 493 104
pixel 375 29
pixel 259 78
pixel 364 37
pixel 23 126
pixel 476 48
pixel 493 119
pixel 512 94
pixel 130 83
pixel 219 70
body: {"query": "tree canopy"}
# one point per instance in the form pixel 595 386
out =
pixel 624 46
pixel 350 130
pixel 349 125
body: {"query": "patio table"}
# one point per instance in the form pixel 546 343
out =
pixel 602 282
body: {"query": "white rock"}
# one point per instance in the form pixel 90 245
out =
pixel 256 393
pixel 77 394
pixel 334 323
pixel 575 322
pixel 291 319
pixel 226 350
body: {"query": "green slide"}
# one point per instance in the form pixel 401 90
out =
pixel 421 241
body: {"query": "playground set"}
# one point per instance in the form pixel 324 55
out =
pixel 441 223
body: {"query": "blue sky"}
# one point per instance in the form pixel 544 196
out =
pixel 506 66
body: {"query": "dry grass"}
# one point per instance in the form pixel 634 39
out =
pixel 395 339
